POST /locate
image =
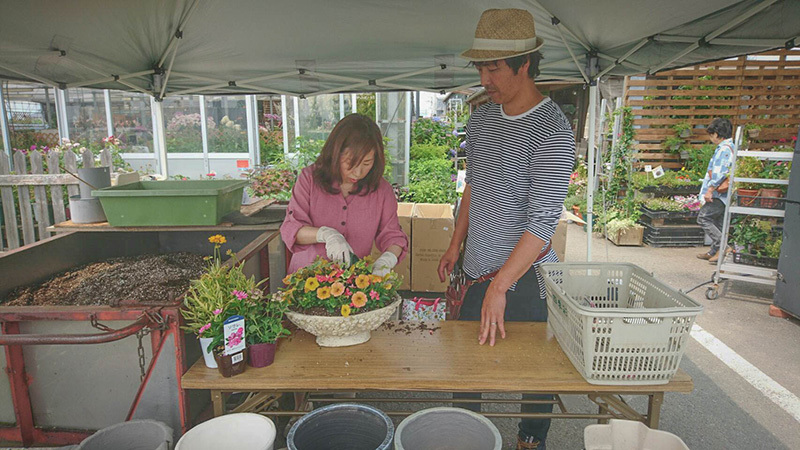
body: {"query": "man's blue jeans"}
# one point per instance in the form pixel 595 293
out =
pixel 522 305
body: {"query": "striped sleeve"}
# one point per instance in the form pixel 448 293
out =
pixel 550 169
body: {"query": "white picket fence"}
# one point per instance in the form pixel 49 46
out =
pixel 27 217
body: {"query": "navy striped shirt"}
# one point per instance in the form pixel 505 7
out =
pixel 518 169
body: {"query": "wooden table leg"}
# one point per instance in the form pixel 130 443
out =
pixel 654 409
pixel 219 402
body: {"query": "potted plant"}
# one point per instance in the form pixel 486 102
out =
pixel 752 130
pixel 263 317
pixel 746 193
pixel 206 304
pixel 624 231
pixel 685 151
pixel 340 305
pixel 683 129
pixel 755 242
pixel 672 143
pixel 272 183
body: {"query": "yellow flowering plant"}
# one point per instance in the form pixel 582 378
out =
pixel 340 291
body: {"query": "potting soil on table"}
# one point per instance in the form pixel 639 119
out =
pixel 140 280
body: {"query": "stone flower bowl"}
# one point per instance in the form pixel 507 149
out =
pixel 343 331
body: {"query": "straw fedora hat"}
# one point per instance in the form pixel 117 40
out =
pixel 503 33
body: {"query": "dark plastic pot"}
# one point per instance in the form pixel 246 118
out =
pixel 226 365
pixel 342 427
pixel 262 355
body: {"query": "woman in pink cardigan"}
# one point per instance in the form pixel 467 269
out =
pixel 341 204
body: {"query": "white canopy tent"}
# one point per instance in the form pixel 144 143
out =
pixel 313 47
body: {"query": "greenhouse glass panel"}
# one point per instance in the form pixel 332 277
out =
pixel 31 112
pixel 182 123
pixel 133 121
pixel 318 115
pixel 270 128
pixel 226 119
pixel 86 114
pixel 392 115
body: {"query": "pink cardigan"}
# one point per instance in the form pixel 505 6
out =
pixel 362 219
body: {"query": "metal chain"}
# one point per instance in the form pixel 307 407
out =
pixel 140 350
pixel 93 321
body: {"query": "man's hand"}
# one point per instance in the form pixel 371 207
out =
pixel 492 314
pixel 708 197
pixel 447 262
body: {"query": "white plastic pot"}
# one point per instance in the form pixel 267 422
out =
pixel 629 435
pixel 208 357
pixel 242 431
pixel 131 435
pixel 437 428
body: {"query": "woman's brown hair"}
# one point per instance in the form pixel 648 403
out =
pixel 361 135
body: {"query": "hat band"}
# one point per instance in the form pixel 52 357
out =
pixel 504 44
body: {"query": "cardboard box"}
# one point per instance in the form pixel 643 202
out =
pixel 404 213
pixel 559 239
pixel 432 228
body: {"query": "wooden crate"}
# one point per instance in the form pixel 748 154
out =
pixel 629 236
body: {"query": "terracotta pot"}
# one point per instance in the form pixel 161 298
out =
pixel 747 197
pixel 769 197
pixel 753 133
pixel 262 355
pixel 227 367
pixel 577 211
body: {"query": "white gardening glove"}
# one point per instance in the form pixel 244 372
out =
pixel 336 246
pixel 384 264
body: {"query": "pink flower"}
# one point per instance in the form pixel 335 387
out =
pixel 217 312
pixel 204 328
pixel 347 292
pixel 239 294
pixel 322 278
pixel 374 295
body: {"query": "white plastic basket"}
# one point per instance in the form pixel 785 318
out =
pixel 629 435
pixel 617 323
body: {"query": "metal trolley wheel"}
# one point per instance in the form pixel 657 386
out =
pixel 712 293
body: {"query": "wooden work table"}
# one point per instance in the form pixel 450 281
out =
pixel 448 359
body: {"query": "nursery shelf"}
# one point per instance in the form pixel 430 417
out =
pixel 749 270
pixel 757 211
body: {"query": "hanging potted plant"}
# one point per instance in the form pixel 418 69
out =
pixel 685 151
pixel 340 305
pixel 683 129
pixel 752 130
pixel 672 144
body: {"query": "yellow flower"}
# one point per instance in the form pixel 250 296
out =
pixel 311 284
pixel 323 293
pixel 337 289
pixel 345 310
pixel 375 278
pixel 362 281
pixel 359 299
pixel 217 239
pixel 388 286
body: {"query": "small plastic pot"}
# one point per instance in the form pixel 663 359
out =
pixel 262 355
pixel 226 365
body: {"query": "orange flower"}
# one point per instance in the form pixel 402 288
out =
pixel 287 279
pixel 217 239
pixel 359 299
pixel 337 289
pixel 345 310
pixel 375 278
pixel 323 292
pixel 362 281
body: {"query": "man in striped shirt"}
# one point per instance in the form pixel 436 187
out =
pixel 520 154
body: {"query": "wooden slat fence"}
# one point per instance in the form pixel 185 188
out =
pixel 763 91
pixel 27 215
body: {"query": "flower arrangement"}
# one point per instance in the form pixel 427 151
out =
pixel 325 288
pixel 224 290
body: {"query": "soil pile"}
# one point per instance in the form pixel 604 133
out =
pixel 140 280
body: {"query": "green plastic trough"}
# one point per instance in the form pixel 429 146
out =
pixel 163 203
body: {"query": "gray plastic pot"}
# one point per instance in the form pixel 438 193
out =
pixel 98 177
pixel 132 435
pixel 437 428
pixel 86 210
pixel 342 427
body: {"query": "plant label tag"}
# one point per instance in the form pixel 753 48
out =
pixel 461 181
pixel 233 329
pixel 658 172
pixel 237 358
pixel 648 168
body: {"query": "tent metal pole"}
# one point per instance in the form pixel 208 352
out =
pixel 204 133
pixel 169 69
pixel 61 113
pixel 354 103
pixel 4 126
pixel 711 36
pixel 178 34
pixel 296 105
pixel 109 115
pixel 159 138
pixel 623 63
pixel 251 112
pixel 407 149
pixel 134 87
pixel 571 54
pixel 239 85
pixel 341 106
pixel 560 25
pixel 763 43
pixel 29 75
pixel 590 169
pixel 284 126
pixel 110 79
pixel 619 61
pixel 236 83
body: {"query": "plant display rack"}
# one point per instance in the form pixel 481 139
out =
pixel 673 235
pixel 727 267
